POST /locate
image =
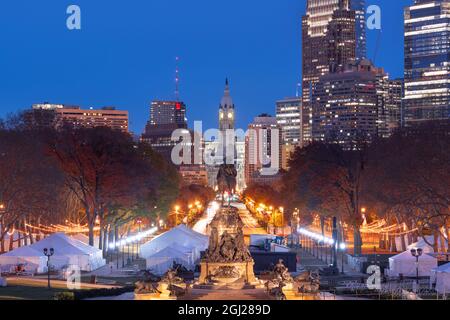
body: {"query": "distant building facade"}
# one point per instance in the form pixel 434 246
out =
pixel 427 61
pixel 193 174
pixel 57 115
pixel 263 147
pixel 289 118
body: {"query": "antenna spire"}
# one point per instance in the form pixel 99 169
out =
pixel 177 79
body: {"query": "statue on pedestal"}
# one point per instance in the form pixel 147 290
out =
pixel 227 260
pixel 227 181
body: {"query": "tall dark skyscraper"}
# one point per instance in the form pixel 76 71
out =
pixel 359 6
pixel 333 34
pixel 165 118
pixel 168 112
pixel 427 61
pixel 356 105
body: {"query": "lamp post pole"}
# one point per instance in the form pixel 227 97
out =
pixel 48 253
pixel 335 243
pixel 417 253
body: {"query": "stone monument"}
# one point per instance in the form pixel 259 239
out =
pixel 227 262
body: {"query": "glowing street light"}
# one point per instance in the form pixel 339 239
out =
pixel 48 253
pixel 417 253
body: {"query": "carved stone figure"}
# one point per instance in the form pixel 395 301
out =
pixel 227 247
pixel 242 254
pixel 277 292
pixel 171 277
pixel 148 284
pixel 282 272
pixel 308 282
pixel 213 242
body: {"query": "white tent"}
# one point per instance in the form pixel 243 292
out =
pixel 161 261
pixel 67 251
pixel 72 252
pixel 441 276
pixel 177 237
pixel 31 259
pixel 405 264
pixel 425 246
pixel 85 239
pixel 193 233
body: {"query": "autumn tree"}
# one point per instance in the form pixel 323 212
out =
pixel 325 179
pixel 410 178
pixel 29 183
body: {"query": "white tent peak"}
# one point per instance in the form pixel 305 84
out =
pixel 408 256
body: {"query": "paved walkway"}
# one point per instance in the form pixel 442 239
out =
pixel 251 225
pixel 37 282
pixel 210 213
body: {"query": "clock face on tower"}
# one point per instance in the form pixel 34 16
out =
pixel 226 113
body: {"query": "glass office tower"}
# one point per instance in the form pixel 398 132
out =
pixel 427 61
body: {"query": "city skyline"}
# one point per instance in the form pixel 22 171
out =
pixel 255 86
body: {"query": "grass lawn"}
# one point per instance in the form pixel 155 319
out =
pixel 30 289
pixel 18 292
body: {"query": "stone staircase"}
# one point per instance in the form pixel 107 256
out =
pixel 224 295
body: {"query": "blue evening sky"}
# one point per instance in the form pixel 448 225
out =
pixel 125 53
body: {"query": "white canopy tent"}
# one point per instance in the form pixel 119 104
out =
pixel 425 246
pixel 85 239
pixel 180 238
pixel 67 251
pixel 441 276
pixel 193 233
pixel 161 261
pixel 405 264
pixel 31 259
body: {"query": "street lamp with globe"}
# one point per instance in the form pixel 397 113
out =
pixel 417 253
pixel 48 253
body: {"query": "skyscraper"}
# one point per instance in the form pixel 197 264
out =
pixel 359 6
pixel 330 30
pixel 356 105
pixel 168 112
pixel 427 61
pixel 289 118
pixel 165 118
